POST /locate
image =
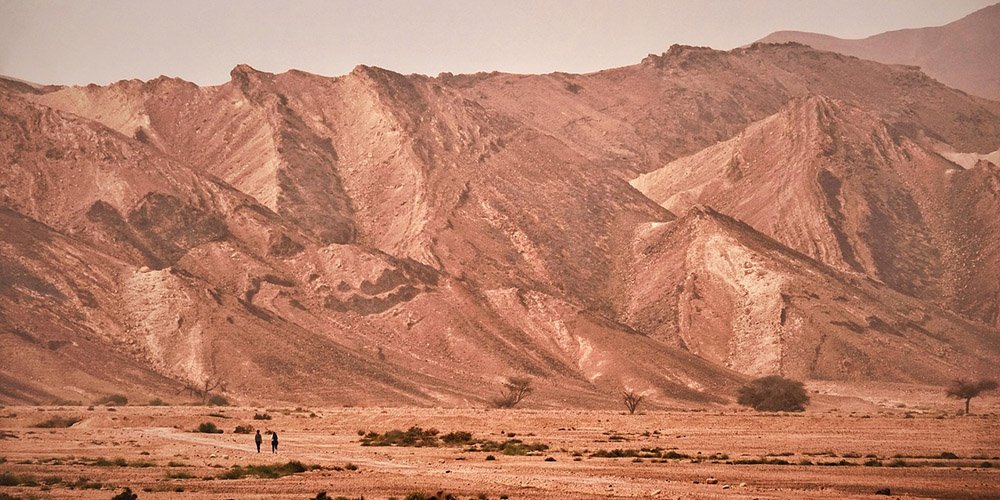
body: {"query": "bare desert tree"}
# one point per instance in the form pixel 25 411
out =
pixel 631 400
pixel 967 389
pixel 515 389
pixel 211 380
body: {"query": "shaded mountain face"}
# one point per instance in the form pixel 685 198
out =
pixel 964 54
pixel 385 239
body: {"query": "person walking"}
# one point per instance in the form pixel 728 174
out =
pixel 258 439
pixel 274 442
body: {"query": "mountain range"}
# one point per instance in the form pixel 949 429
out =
pixel 674 227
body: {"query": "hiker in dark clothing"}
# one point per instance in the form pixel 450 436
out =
pixel 258 439
pixel 274 442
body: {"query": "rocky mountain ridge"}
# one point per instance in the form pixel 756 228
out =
pixel 377 238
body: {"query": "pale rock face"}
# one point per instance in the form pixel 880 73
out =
pixel 673 227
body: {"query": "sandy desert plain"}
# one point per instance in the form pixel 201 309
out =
pixel 841 447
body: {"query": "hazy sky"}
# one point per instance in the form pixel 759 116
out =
pixel 82 41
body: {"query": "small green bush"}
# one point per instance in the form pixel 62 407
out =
pixel 243 429
pixel 261 416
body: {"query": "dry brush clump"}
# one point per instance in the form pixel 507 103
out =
pixel 209 428
pixel 57 422
pixel 414 436
pixel 272 471
pixel 112 400
pixel 774 393
pixel 420 438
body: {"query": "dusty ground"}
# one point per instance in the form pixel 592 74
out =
pixel 158 442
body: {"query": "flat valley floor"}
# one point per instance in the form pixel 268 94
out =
pixel 828 454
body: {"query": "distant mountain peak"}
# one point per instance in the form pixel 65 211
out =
pixel 964 54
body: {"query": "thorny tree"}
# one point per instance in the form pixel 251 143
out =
pixel 967 389
pixel 211 380
pixel 631 400
pixel 515 390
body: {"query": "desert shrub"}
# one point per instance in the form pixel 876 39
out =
pixel 272 471
pixel 414 436
pixel 774 393
pixel 417 495
pixel 118 462
pixel 457 437
pixel 8 479
pixel 156 402
pixel 125 495
pixel 350 466
pixel 490 457
pixel 179 475
pixel 761 461
pixel 947 455
pixel 84 483
pixel 67 402
pixel 650 453
pixel 112 400
pixel 518 447
pixel 243 429
pixel 261 416
pixel 209 428
pixel 57 422
pixel 218 400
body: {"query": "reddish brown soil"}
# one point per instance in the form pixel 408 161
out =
pixel 329 437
